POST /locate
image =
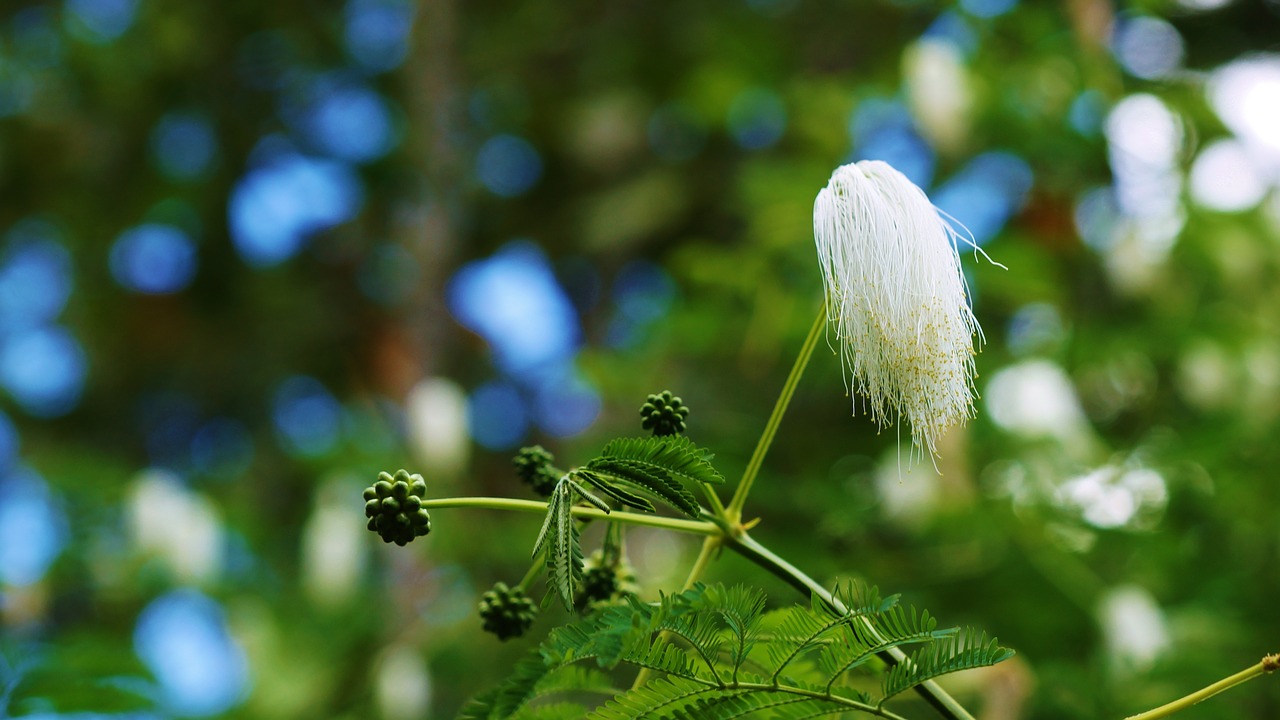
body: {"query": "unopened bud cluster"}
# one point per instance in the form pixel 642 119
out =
pixel 664 414
pixel 507 612
pixel 604 583
pixel 533 466
pixel 393 505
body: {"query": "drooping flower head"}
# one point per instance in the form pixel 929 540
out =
pixel 896 299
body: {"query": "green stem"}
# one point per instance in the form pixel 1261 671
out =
pixel 746 546
pixel 709 548
pixel 872 709
pixel 696 527
pixel 1268 664
pixel 535 569
pixel 717 507
pixel 779 409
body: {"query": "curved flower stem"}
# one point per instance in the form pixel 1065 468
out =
pixel 696 527
pixel 747 547
pixel 732 514
pixel 1268 664
pixel 734 511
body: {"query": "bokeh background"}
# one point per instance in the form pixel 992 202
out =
pixel 251 253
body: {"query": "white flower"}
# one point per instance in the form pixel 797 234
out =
pixel 897 299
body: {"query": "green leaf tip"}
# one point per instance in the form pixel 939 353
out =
pixel 561 538
pixel 962 650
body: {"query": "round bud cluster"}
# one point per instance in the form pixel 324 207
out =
pixel 533 465
pixel 394 507
pixel 507 612
pixel 603 584
pixel 664 414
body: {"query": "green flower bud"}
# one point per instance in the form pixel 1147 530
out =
pixel 533 465
pixel 507 612
pixel 603 584
pixel 664 414
pixel 393 505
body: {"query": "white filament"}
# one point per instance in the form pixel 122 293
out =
pixel 896 299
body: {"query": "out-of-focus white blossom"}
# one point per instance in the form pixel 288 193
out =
pixel 896 299
pixel 1134 628
pixel 178 526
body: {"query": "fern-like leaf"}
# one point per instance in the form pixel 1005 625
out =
pixel 669 467
pixel 679 616
pixel 674 453
pixel 603 636
pixel 585 494
pixel 680 699
pixel 548 522
pixel 667 697
pixel 699 642
pixel 961 651
pixel 650 478
pixel 551 711
pixel 667 658
pixel 860 599
pixel 828 628
pixel 574 679
pixel 617 491
pixel 600 637
pixel 740 608
pixel 560 536
pixel 867 635
pixel 801 632
pixel 508 697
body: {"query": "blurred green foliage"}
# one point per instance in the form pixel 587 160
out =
pixel 1111 513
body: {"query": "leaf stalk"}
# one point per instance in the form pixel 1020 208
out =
pixel 734 510
pixel 694 527
pixel 1268 664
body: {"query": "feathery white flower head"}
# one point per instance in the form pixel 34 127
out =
pixel 897 299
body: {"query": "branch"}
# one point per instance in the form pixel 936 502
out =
pixel 696 527
pixel 931 691
pixel 1268 664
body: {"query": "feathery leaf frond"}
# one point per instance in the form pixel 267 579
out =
pixel 647 477
pixel 702 642
pixel 666 467
pixel 560 535
pixel 617 491
pixel 960 651
pixel 551 711
pixel 676 454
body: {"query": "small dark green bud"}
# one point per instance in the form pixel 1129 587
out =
pixel 533 465
pixel 603 584
pixel 664 414
pixel 507 612
pixel 393 505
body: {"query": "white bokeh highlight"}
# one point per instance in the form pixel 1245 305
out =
pixel 1225 178
pixel 1134 627
pixel 1035 399
pixel 180 527
pixel 436 414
